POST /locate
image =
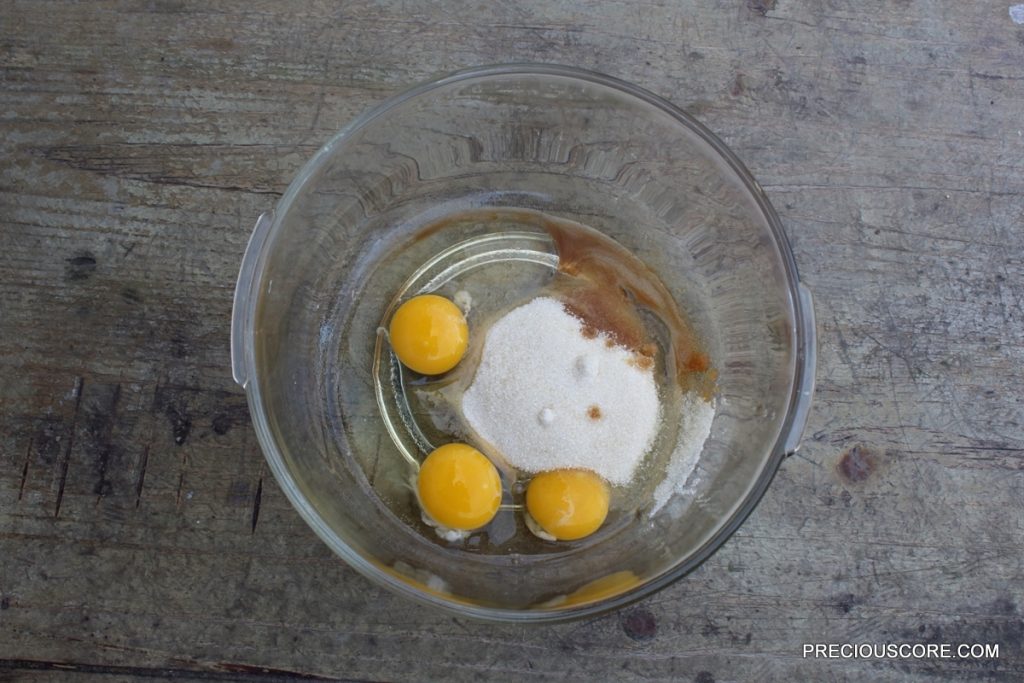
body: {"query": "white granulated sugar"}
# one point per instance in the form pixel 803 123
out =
pixel 547 398
pixel 464 300
pixel 546 416
pixel 694 430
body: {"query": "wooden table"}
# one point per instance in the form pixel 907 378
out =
pixel 140 532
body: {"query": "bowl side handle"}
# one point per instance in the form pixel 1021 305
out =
pixel 242 309
pixel 809 354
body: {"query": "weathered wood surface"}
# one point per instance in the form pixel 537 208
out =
pixel 140 534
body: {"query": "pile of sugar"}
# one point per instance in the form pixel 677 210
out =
pixel 547 397
pixel 694 430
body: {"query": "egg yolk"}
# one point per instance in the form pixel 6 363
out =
pixel 429 334
pixel 568 504
pixel 605 587
pixel 459 487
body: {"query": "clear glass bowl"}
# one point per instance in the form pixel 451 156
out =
pixel 323 267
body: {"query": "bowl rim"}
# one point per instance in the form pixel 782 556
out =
pixel 246 306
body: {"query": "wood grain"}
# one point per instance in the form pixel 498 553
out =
pixel 140 534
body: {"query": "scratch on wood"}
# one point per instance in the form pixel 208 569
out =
pixel 181 484
pixel 143 462
pixel 257 499
pixel 316 112
pixel 133 167
pixel 24 470
pixel 259 671
pixel 66 458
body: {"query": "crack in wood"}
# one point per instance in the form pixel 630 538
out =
pixel 24 471
pixel 143 462
pixel 66 457
pixel 257 499
pixel 181 483
pixel 220 671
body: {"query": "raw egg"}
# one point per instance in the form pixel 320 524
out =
pixel 602 588
pixel 459 487
pixel 567 504
pixel 429 334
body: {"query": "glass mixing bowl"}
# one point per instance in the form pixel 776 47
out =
pixel 323 267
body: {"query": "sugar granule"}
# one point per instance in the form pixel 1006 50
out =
pixel 694 429
pixel 541 382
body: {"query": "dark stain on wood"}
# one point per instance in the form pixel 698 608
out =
pixel 704 677
pixel 46 441
pixel 738 86
pixel 857 464
pixel 222 423
pixel 131 295
pixel 762 7
pixel 80 267
pixel 239 493
pixel 103 487
pixel 639 624
pixel 174 404
pixel 180 347
pixel 846 602
pixel 229 415
pixel 844 497
pixel 181 425
pixel 1004 606
pixel 100 416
